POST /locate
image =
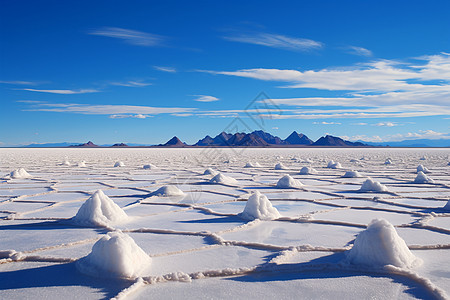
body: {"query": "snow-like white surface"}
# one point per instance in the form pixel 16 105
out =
pixel 200 238
pixel 99 210
pixel 115 255
pixel 380 245
pixel 422 178
pixel 119 164
pixel 168 191
pixel 259 207
pixel 334 165
pixel 210 171
pixel 20 173
pixel 371 185
pixel 351 174
pixel 287 181
pixel 421 168
pixel 223 179
pixel 280 166
pixel 149 167
pixel 308 171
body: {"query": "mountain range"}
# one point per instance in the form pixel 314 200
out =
pixel 260 138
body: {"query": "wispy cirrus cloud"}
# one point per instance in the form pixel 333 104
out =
pixel 385 124
pixel 131 83
pixel 114 111
pixel 421 134
pixel 63 92
pixel 326 123
pixel 377 76
pixel 18 82
pixel 360 51
pixel 129 36
pixel 165 69
pixel 138 116
pixel 275 41
pixel 205 98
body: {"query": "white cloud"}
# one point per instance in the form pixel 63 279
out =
pixel 138 116
pixel 132 83
pixel 327 123
pixel 421 134
pixel 359 124
pixel 275 128
pixel 18 82
pixel 276 41
pixel 132 37
pixel 165 69
pixel 381 76
pixel 116 111
pixel 205 98
pixel 358 51
pixel 64 92
pixel 386 124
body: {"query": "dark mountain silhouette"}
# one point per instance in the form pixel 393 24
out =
pixel 206 141
pixel 268 138
pixel 174 142
pixel 298 139
pixel 222 138
pixel 85 145
pixel 120 145
pixel 333 141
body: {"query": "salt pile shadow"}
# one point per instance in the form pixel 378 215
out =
pixel 59 275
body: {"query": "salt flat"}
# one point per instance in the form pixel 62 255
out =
pixel 199 243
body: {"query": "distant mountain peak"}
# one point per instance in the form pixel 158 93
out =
pixel 86 145
pixel 174 142
pixel 298 139
pixel 120 145
pixel 334 141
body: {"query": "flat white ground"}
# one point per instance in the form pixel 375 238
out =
pixel 200 248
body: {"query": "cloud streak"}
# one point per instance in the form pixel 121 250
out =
pixel 133 37
pixel 165 69
pixel 64 92
pixel 114 111
pixel 276 41
pixel 360 51
pixel 205 98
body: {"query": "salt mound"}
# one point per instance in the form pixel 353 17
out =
pixel 168 191
pixel 334 165
pixel 149 167
pixel 99 210
pixel 259 207
pixel 65 163
pixel 422 178
pixel 380 245
pixel 307 171
pixel 287 181
pixel 210 171
pixel 119 164
pixel 372 186
pixel 115 255
pixel 351 174
pixel 82 164
pixel 252 165
pixel 223 179
pixel 388 162
pixel 280 166
pixel 421 168
pixel 18 174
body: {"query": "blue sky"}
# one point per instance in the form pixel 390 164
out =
pixel 144 71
